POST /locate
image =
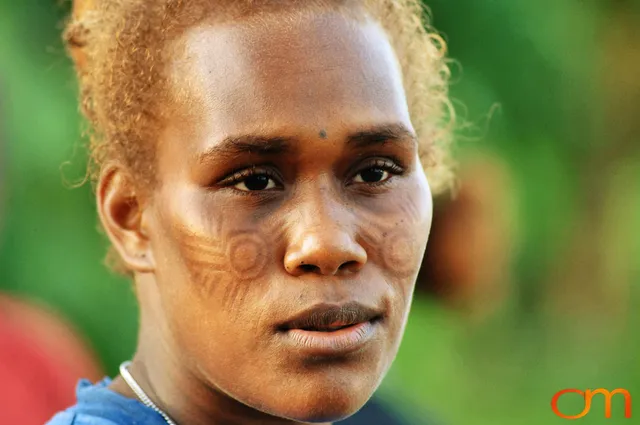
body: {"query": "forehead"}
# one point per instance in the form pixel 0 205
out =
pixel 295 73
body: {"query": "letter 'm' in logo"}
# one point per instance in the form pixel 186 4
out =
pixel 588 396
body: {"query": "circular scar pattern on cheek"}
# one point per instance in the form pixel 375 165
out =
pixel 399 254
pixel 395 238
pixel 247 254
pixel 222 259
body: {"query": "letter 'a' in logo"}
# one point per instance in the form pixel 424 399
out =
pixel 588 396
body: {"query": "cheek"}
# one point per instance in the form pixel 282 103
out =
pixel 224 261
pixel 396 235
pixel 215 272
pixel 221 266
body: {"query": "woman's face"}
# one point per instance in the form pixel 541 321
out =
pixel 291 204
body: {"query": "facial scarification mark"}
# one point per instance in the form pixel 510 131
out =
pixel 276 230
pixel 203 250
pixel 206 262
pixel 227 260
pixel 372 234
pixel 398 253
pixel 392 237
pixel 411 211
pixel 247 253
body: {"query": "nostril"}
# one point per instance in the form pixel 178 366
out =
pixel 349 265
pixel 309 267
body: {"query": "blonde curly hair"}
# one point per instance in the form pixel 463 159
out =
pixel 119 48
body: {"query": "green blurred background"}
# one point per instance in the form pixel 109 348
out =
pixel 534 269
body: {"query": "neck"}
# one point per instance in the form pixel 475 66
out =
pixel 173 387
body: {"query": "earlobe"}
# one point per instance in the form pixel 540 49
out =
pixel 121 211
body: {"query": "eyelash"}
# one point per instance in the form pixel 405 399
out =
pixel 391 165
pixel 240 176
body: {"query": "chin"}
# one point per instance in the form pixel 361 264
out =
pixel 323 412
pixel 320 403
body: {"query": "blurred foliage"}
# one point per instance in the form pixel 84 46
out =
pixel 551 91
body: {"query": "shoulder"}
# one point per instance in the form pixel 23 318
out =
pixel 98 405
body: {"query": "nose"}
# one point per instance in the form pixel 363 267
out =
pixel 327 249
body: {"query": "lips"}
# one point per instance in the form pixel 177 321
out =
pixel 329 330
pixel 331 318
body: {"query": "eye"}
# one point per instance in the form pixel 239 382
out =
pixel 372 175
pixel 377 171
pixel 253 180
pixel 255 183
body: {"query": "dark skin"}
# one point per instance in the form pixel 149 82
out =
pixel 287 177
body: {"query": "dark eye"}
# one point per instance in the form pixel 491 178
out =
pixel 253 179
pixel 378 171
pixel 255 182
pixel 372 175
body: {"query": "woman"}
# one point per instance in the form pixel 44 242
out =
pixel 258 173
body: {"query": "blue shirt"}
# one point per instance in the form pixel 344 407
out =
pixel 98 405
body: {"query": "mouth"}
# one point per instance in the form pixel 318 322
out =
pixel 336 326
pixel 329 329
pixel 331 318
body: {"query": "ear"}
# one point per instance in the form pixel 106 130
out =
pixel 121 211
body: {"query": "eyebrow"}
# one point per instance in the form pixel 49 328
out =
pixel 233 146
pixel 381 134
pixel 259 145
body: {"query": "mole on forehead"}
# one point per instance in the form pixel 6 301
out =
pixel 323 134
